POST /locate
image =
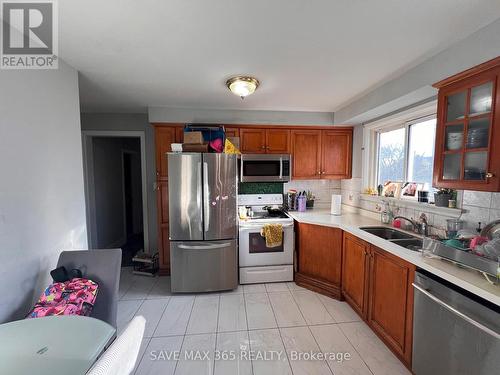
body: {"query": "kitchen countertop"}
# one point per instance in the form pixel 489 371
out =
pixel 351 222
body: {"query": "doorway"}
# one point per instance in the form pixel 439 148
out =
pixel 115 188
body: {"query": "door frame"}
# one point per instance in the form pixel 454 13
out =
pixel 88 175
pixel 123 153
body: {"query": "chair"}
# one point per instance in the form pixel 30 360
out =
pixel 102 266
pixel 120 357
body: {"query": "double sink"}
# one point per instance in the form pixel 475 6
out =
pixel 397 237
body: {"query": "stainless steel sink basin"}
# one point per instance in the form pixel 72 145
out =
pixel 414 244
pixel 388 233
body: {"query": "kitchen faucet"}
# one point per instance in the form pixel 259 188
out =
pixel 420 227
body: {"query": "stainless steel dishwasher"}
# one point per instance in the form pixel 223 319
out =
pixel 454 332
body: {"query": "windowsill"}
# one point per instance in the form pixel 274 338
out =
pixel 427 207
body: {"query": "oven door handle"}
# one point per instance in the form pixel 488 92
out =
pixel 250 226
pixel 451 309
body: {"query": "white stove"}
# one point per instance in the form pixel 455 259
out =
pixel 257 262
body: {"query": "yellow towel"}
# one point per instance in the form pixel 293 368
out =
pixel 273 234
pixel 229 148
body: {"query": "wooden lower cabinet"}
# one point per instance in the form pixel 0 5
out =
pixel 355 263
pixel 390 309
pixel 378 286
pixel 319 252
pixel 164 250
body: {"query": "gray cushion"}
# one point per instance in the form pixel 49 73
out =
pixel 102 266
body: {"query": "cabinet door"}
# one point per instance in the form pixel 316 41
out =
pixel 336 154
pixel 162 202
pixel 277 141
pixel 467 135
pixel 320 252
pixel 164 137
pixel 306 152
pixel 390 311
pixel 179 134
pixel 355 272
pixel 164 250
pixel 253 141
pixel 232 132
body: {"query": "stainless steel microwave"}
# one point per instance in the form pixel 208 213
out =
pixel 265 168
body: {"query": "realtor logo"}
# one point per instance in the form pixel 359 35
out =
pixel 29 35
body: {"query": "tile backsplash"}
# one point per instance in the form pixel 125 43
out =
pixel 260 188
pixel 322 189
pixel 478 206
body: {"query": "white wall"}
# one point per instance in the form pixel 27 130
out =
pixel 184 115
pixel 416 84
pixel 42 207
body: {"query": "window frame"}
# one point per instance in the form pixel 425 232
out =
pixel 406 146
pixel 400 120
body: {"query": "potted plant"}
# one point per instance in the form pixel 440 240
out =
pixel 309 199
pixel 442 196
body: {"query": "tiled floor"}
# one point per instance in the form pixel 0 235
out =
pixel 267 328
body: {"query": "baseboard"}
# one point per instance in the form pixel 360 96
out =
pixel 319 286
pixel 164 272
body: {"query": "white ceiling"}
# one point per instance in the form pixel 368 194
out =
pixel 311 55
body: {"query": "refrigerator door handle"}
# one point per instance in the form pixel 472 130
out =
pixel 206 196
pixel 204 247
pixel 199 197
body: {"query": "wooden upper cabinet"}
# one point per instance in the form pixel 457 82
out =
pixel 253 141
pixel 278 141
pixel 467 147
pixel 306 152
pixel 264 141
pixel 390 310
pixel 355 256
pixel 232 132
pixel 322 153
pixel 179 134
pixel 164 137
pixel 336 154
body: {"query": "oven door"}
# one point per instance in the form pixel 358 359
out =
pixel 254 252
pixel 264 168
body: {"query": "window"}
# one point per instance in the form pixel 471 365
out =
pixel 391 156
pixel 407 153
pixel 421 151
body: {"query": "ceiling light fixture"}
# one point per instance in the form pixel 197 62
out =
pixel 242 85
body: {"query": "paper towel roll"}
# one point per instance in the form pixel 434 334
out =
pixel 336 204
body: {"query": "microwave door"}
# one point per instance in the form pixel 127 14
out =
pixel 219 196
pixel 185 196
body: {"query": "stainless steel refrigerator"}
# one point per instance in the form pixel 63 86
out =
pixel 203 225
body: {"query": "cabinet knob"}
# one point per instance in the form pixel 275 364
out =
pixel 263 147
pixel 490 175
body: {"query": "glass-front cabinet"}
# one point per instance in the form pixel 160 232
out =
pixel 468 130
